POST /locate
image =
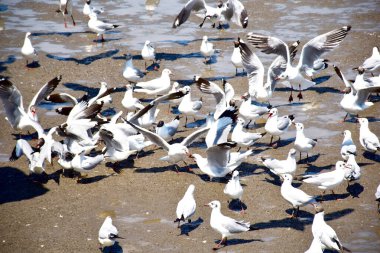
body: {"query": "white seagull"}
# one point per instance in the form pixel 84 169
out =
pixel 377 196
pixel 368 140
pixel 186 206
pixel 108 233
pixel 353 171
pixel 243 138
pixel 249 111
pixel 188 107
pixel 348 146
pixel 168 130
pixel 27 50
pixel 99 27
pixel 281 167
pixel 294 196
pixel 129 102
pixel 316 246
pixel 303 143
pixel 225 225
pixel 82 163
pixel 277 126
pixel 148 53
pixel 233 188
pixel 372 63
pixel 311 52
pixel 131 73
pixel 36 160
pixel 207 49
pixel 236 56
pixel 160 83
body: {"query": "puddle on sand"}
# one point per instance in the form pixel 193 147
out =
pixel 4 158
pixel 365 241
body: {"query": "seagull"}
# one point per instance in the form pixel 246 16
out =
pixel 316 246
pixel 294 196
pixel 348 146
pixel 186 206
pixel 355 100
pixel 158 83
pixel 27 50
pixel 318 65
pixel 233 11
pixel 107 233
pixel 225 225
pixel 104 95
pixel 216 163
pixel 130 73
pixel 327 180
pixel 377 195
pixel 281 167
pixel 66 8
pixel 249 111
pixel 311 52
pixel 276 126
pixel 353 171
pixel 99 27
pixel 207 49
pixel 244 138
pixel 82 163
pixel 35 158
pixel 61 97
pixel 129 102
pixel 260 90
pixel 148 53
pixel 368 140
pixel 149 118
pixel 14 108
pixel 189 107
pixel 177 151
pixel 88 9
pixel 233 188
pixel 168 130
pixel 372 63
pixel 324 232
pixel 303 143
pixel 236 58
pixel 229 92
pixel 237 158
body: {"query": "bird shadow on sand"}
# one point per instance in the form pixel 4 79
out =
pixel 249 169
pixel 305 218
pixel 187 42
pixel 335 197
pixel 187 228
pixel 91 91
pixel 313 169
pixel 10 59
pixel 116 248
pixel 66 34
pixel 120 166
pixel 105 40
pixel 355 189
pixel 174 57
pixel 33 65
pixel 86 60
pixel 94 179
pixel 309 160
pixel 236 205
pixel 371 156
pixel 372 119
pixel 15 185
pixel 236 241
pixel 182 169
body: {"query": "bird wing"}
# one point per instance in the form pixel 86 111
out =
pixel 233 226
pixel 192 5
pixel 253 66
pixel 315 48
pixel 218 155
pixel 193 136
pixel 236 13
pixel 221 127
pixel 211 88
pixel 141 112
pixel 171 96
pixel 21 147
pixel 153 137
pixel 341 76
pixel 45 90
pixel 283 122
pixel 61 98
pixel 268 44
pixel 108 137
pixel 12 101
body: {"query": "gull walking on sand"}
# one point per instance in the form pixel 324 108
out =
pixel 131 73
pixel 276 126
pixel 148 53
pixel 303 143
pixel 186 206
pixel 348 146
pixel 99 27
pixel 27 50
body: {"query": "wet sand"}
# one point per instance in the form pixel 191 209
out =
pixel 142 198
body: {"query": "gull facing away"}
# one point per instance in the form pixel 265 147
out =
pixel 225 225
pixel 243 138
pixel 157 84
pixel 311 52
pixel 131 73
pixel 294 196
pixel 168 130
pixel 348 146
pixel 233 188
pixel 129 102
pixel 99 27
pixel 66 8
pixel 108 233
pixel 27 50
pixel 14 108
pixel 188 107
pixel 368 140
pixel 281 167
pixel 328 180
pixel 186 206
pixel 372 63
pixel 148 53
pixel 207 49
pixel 324 232
pixel 177 151
pixel 236 56
pixel 303 143
pixel 233 10
pixel 276 126
pixel 249 111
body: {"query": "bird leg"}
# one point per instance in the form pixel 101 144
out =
pixel 185 121
pixel 291 95
pixel 239 149
pixel 208 16
pixel 222 242
pixel 247 126
pixel 72 18
pixel 145 64
pixel 299 94
pixel 103 40
pixel 271 139
pixel 307 157
pixel 188 167
pixel 300 157
pixel 176 168
pixel 236 72
pixel 213 25
pixel 242 208
pixel 220 26
pixel 345 117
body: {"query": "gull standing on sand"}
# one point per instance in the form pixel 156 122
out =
pixel 189 107
pixel 250 112
pixel 368 140
pixel 281 167
pixel 372 63
pixel 66 8
pixel 303 143
pixel 129 102
pixel 225 225
pixel 277 126
pixel 27 50
pixel 207 49
pixel 294 196
pixel 99 27
pixel 244 138
pixel 168 130
pixel 148 53
pixel 157 84
pixel 107 233
pixel 311 52
pixel 324 232
pixel 233 188
pixel 131 73
pixel 348 146
pixel 236 56
pixel 186 206
pixel 353 171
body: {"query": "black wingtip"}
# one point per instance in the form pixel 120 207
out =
pixel 177 117
pixel 291 117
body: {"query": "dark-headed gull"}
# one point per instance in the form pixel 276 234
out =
pixel 167 130
pixel 303 143
pixel 131 73
pixel 311 52
pixel 27 50
pixel 108 233
pixel 236 56
pixel 225 225
pixel 368 140
pixel 372 63
pixel 99 27
pixel 233 188
pixel 14 108
pixel 294 196
pixel 281 167
pixel 66 8
pixel 186 206
pixel 348 146
pixel 318 65
pixel 276 126
pixel 148 53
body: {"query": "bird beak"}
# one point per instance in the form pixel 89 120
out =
pixel 206 205
pixel 190 155
pixel 270 115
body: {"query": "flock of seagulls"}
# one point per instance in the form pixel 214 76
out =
pixel 226 128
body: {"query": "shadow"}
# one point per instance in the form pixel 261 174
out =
pixel 86 60
pixel 66 34
pixel 105 40
pixel 15 185
pixel 182 169
pixel 206 178
pixel 118 167
pixel 313 169
pixel 373 119
pixel 248 169
pixel 284 143
pixel 333 197
pixel 91 91
pixel 33 65
pixel 90 180
pixel 108 112
pixel 187 42
pixel 302 214
pixel 173 56
pixel 236 205
pixel 355 189
pixel 116 248
pixel 186 228
pixel 235 241
pixel 321 79
pixel 322 90
pixel 309 160
pixel 196 123
pixel 11 59
pixel 371 156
